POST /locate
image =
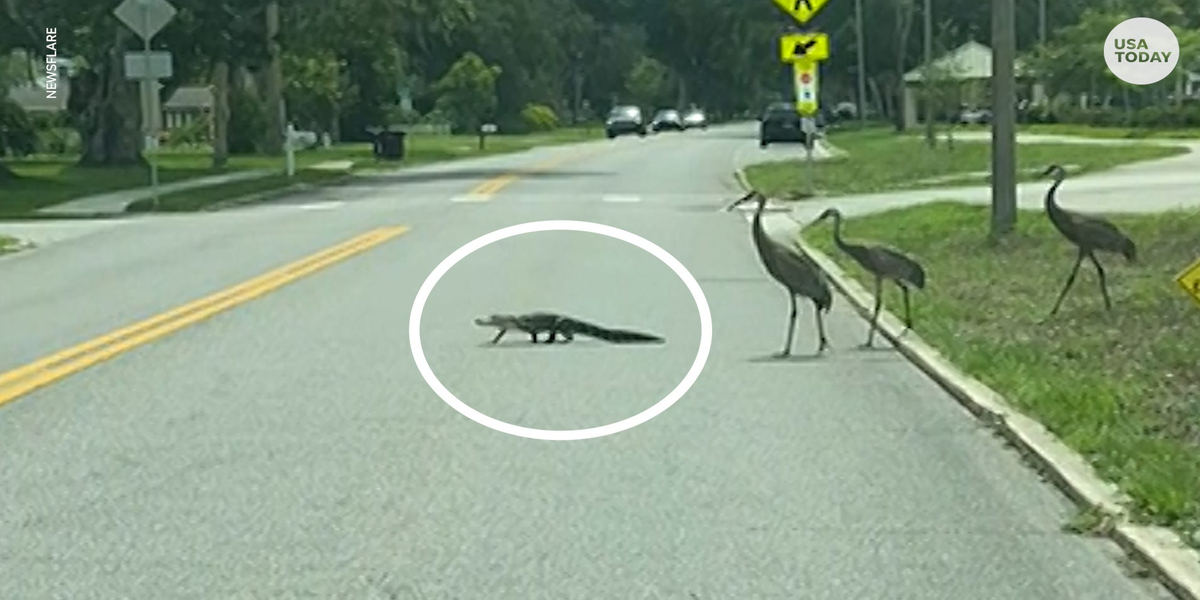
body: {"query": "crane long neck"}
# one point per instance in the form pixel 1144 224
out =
pixel 1051 202
pixel 837 231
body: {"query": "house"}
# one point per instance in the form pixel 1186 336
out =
pixel 187 105
pixel 970 67
pixel 30 90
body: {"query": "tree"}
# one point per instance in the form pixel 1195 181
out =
pixel 467 92
pixel 649 83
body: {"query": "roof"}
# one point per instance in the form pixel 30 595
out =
pixel 190 96
pixel 971 60
pixel 33 98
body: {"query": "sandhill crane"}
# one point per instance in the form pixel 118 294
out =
pixel 794 270
pixel 1088 233
pixel 883 263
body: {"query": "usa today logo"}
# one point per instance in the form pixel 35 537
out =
pixel 1141 51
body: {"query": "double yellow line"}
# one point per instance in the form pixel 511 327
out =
pixel 484 191
pixel 32 376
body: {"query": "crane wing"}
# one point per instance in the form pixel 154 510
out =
pixel 896 264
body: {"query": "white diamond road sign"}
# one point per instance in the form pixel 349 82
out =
pixel 145 17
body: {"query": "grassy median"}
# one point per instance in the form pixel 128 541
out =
pixel 44 181
pixel 1121 387
pixel 878 160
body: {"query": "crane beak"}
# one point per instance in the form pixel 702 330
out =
pixel 740 200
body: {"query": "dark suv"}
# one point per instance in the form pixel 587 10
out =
pixel 624 119
pixel 780 123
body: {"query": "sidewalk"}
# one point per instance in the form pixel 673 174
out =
pixel 115 202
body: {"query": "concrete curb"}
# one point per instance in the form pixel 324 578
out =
pixel 276 193
pixel 1173 563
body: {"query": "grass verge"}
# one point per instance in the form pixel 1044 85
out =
pixel 1121 387
pixel 9 245
pixel 878 160
pixel 44 181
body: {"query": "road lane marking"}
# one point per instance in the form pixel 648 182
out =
pixel 322 205
pixel 484 191
pixel 470 198
pixel 22 380
pixel 621 198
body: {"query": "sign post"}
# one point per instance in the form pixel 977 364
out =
pixel 805 51
pixel 146 18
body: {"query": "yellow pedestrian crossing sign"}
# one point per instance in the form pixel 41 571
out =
pixel 802 10
pixel 803 46
pixel 1189 280
pixel 805 73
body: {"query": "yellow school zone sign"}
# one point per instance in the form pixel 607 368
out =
pixel 802 10
pixel 1189 280
pixel 804 46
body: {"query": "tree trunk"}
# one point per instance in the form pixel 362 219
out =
pixel 904 14
pixel 108 111
pixel 273 142
pixel 220 114
pixel 877 97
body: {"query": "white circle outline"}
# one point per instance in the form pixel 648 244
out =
pixel 414 331
pixel 1136 24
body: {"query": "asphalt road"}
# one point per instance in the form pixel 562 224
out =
pixel 289 448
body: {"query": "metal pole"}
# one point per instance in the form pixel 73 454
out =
pixel 1004 98
pixel 148 111
pixel 927 83
pixel 812 186
pixel 1042 20
pixel 862 68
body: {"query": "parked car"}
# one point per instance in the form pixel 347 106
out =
pixel 780 123
pixel 695 118
pixel 667 119
pixel 624 119
pixel 975 116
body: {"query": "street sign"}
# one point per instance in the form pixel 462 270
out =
pixel 801 10
pixel 1189 280
pixel 159 65
pixel 145 17
pixel 803 46
pixel 805 75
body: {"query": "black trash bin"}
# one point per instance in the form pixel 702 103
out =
pixel 389 145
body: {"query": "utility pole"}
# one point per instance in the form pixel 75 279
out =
pixel 1042 21
pixel 274 96
pixel 927 82
pixel 862 63
pixel 1004 99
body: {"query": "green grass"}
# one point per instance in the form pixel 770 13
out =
pixel 878 160
pixel 44 181
pixel 1121 387
pixel 9 245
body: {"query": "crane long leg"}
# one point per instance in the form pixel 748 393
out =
pixel 1070 281
pixel 875 315
pixel 1103 283
pixel 820 329
pixel 907 313
pixel 787 347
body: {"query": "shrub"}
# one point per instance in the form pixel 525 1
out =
pixel 539 117
pixel 17 133
pixel 247 122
